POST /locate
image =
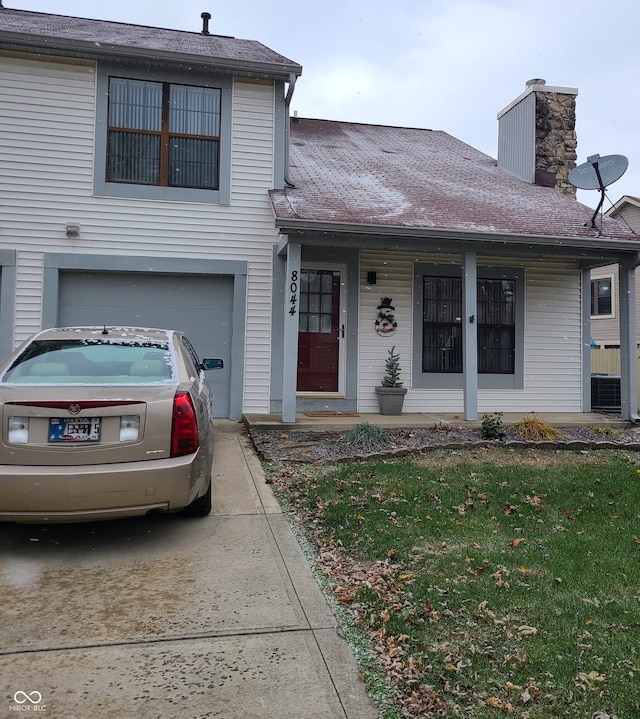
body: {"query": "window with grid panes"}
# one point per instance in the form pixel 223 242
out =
pixel 442 325
pixel 163 134
pixel 317 296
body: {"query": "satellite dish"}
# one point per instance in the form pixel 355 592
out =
pixel 597 173
pixel 610 168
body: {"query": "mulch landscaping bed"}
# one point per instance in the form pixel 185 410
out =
pixel 328 447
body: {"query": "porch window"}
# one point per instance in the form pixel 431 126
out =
pixel 163 134
pixel 442 325
pixel 601 302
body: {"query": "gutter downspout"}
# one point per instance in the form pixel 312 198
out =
pixel 287 127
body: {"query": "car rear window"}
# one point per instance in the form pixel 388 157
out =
pixel 92 362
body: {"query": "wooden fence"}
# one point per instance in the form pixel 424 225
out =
pixel 605 361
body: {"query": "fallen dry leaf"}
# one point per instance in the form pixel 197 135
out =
pixel 516 543
pixel 526 631
pixel 498 703
pixel 590 680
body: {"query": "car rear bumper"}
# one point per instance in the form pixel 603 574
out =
pixel 87 493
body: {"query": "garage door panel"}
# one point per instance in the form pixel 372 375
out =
pixel 201 306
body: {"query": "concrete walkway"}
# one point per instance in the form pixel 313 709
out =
pixel 322 654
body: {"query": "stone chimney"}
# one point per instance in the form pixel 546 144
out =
pixel 537 136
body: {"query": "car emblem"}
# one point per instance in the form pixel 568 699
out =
pixel 74 408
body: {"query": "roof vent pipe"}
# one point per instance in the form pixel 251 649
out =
pixel 206 16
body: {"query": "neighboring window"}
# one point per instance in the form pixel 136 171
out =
pixel 442 325
pixel 601 303
pixel 163 134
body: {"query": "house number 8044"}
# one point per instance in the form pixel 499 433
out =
pixel 293 288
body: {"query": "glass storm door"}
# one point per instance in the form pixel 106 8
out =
pixel 318 333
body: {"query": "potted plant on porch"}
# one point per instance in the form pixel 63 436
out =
pixel 391 393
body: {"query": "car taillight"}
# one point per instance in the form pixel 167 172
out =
pixel 184 430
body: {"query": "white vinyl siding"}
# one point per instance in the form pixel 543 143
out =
pixel 253 150
pixel 50 106
pixel 394 279
pixel 28 308
pixel 553 342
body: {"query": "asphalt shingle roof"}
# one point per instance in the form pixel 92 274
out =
pixel 415 178
pixel 47 29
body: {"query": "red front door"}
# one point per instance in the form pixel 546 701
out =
pixel 318 331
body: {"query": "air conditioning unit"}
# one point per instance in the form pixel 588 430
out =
pixel 605 393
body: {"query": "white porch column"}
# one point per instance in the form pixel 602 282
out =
pixel 470 334
pixel 290 354
pixel 628 342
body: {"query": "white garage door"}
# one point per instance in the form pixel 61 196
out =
pixel 198 305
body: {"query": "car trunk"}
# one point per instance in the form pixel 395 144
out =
pixel 117 424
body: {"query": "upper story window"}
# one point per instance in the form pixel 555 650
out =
pixel 601 296
pixel 163 134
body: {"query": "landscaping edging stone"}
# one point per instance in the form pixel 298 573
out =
pixel 327 447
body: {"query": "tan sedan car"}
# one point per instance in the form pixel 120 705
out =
pixel 99 423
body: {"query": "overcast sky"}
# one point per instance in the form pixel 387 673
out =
pixel 442 64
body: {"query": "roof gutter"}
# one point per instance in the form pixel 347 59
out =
pixel 400 232
pixel 20 42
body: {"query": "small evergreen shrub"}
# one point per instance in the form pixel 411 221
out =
pixel 392 370
pixel 492 427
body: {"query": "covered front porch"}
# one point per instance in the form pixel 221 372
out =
pixel 551 348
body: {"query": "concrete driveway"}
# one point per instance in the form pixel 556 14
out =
pixel 170 617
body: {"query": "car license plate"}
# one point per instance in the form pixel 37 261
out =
pixel 76 429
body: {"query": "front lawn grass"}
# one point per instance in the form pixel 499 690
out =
pixel 487 588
